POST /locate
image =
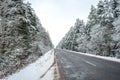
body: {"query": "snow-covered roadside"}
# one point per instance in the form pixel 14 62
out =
pixel 52 74
pixel 97 56
pixel 35 70
pixel 49 75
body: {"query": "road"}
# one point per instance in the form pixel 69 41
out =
pixel 81 67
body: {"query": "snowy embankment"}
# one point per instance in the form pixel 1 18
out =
pixel 97 56
pixel 35 70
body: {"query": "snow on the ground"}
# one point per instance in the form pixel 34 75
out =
pixel 98 56
pixel 35 70
pixel 49 75
pixel 52 74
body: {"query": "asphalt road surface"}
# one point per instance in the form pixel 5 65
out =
pixel 81 67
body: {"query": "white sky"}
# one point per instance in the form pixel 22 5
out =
pixel 57 16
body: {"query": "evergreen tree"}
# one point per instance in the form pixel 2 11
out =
pixel 101 32
pixel 114 4
pixel 81 37
pixel 67 41
pixel 92 20
pixel 116 23
pixel 100 35
pixel 70 40
pixel 22 37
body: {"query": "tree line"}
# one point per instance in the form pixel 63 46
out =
pixel 100 35
pixel 22 36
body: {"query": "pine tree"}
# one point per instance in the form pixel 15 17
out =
pixel 92 21
pixel 100 35
pixel 70 40
pixel 23 39
pixel 92 18
pixel 114 4
pixel 116 23
pixel 81 37
pixel 67 41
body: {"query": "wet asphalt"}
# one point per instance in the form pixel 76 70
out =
pixel 76 66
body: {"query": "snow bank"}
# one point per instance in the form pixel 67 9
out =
pixel 35 70
pixel 97 56
pixel 49 75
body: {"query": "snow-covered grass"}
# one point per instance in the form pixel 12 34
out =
pixel 97 56
pixel 49 75
pixel 35 70
pixel 53 73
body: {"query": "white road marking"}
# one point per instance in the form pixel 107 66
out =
pixel 90 63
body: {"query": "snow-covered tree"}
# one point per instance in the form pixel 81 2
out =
pixel 70 41
pixel 81 36
pixel 114 4
pixel 92 18
pixel 67 41
pixel 116 23
pixel 105 12
pixel 100 35
pixel 102 31
pixel 22 37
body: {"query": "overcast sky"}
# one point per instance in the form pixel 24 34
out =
pixel 57 16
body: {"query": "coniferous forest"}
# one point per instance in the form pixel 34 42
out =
pixel 100 35
pixel 22 37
